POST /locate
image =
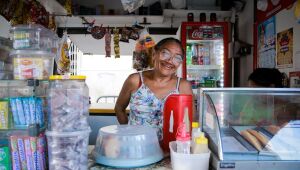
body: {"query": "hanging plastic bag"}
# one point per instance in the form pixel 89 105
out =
pixel 142 56
pixel 62 59
pixel 131 5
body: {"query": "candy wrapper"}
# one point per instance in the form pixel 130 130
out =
pixel 125 35
pixel 16 164
pixel 116 43
pixel 107 43
pixel 98 32
pixel 4 120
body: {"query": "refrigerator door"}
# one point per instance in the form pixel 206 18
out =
pixel 206 53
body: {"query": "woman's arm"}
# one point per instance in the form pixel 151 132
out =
pixel 129 85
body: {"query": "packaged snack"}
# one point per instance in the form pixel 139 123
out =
pixel 13 107
pixel 14 153
pixel 28 153
pixel 4 120
pixel 20 111
pixel 21 150
pixel 107 43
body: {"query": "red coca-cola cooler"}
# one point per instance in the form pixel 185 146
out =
pixel 206 62
pixel 178 108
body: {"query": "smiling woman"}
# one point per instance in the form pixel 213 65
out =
pixel 146 92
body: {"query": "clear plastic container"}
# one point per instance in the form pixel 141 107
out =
pixel 182 161
pixel 68 150
pixel 33 37
pixel 126 146
pixel 68 103
pixel 29 64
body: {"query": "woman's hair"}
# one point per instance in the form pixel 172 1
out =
pixel 168 40
pixel 266 77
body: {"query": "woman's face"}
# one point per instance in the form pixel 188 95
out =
pixel 168 58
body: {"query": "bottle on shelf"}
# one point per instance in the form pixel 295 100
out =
pixel 188 55
pixel 183 139
pixel 200 145
pixel 196 131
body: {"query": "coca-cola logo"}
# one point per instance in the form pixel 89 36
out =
pixel 196 34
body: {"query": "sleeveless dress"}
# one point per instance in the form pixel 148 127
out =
pixel 147 109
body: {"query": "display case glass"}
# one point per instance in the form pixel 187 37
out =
pixel 252 124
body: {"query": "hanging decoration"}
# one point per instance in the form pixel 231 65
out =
pixel 116 42
pixel 107 43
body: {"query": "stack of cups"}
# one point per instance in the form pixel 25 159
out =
pixel 68 129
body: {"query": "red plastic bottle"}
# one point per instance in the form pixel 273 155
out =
pixel 176 106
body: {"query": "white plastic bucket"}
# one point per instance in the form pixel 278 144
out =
pixel 182 161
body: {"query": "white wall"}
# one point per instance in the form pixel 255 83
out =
pixel 285 19
pixel 87 44
pixel 246 20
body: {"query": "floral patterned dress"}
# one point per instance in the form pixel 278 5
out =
pixel 147 109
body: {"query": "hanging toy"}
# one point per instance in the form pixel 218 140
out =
pixel 116 43
pixel 107 43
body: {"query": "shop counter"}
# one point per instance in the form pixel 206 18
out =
pixel 164 164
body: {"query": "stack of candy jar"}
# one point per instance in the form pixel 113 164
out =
pixel 68 129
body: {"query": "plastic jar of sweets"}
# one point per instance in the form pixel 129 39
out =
pixel 68 103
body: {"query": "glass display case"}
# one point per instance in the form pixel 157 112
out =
pixel 251 128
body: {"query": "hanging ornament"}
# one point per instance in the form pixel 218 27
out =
pixel 116 43
pixel 107 43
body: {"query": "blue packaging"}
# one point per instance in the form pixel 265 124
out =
pixel 32 109
pixel 39 111
pixel 13 107
pixel 25 103
pixel 20 111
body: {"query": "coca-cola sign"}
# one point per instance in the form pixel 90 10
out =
pixel 195 33
pixel 205 32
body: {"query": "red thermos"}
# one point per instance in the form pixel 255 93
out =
pixel 175 108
